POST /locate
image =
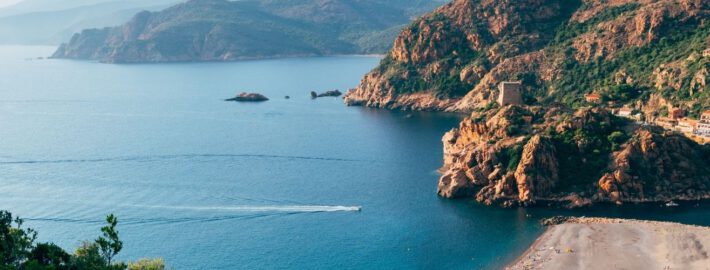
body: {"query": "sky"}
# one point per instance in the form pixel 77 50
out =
pixel 4 3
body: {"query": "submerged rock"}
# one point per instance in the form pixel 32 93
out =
pixel 248 97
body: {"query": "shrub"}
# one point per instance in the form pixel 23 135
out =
pixel 147 264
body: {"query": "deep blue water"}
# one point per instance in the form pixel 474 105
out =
pixel 209 184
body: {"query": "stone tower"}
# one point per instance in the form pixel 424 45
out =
pixel 510 93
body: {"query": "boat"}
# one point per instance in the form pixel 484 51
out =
pixel 672 204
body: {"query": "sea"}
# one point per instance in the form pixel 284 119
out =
pixel 291 183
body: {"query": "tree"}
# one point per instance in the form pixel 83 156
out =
pixel 47 256
pixel 15 242
pixel 18 251
pixel 88 256
pixel 109 243
pixel 617 138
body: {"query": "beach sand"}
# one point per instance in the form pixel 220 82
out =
pixel 597 243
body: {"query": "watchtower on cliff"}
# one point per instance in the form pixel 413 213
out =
pixel 510 93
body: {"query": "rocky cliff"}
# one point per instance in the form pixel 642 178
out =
pixel 221 30
pixel 453 58
pixel 520 155
pixel 648 55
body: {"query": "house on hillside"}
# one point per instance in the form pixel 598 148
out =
pixel 623 112
pixel 703 128
pixel 509 93
pixel 687 126
pixel 666 123
pixel 593 98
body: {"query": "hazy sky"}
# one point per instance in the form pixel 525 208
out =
pixel 4 3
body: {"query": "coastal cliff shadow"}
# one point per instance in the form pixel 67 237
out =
pixel 690 212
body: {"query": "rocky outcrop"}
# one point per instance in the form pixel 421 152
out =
pixel 379 93
pixel 466 44
pixel 329 93
pixel 642 23
pixel 527 155
pixel 537 173
pixel 249 97
pixel 654 166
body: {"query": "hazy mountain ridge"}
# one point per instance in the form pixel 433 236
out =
pixel 35 22
pixel 220 30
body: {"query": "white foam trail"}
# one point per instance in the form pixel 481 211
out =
pixel 271 208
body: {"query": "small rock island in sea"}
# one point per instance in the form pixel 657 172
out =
pixel 330 93
pixel 249 97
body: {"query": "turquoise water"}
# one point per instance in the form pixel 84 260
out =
pixel 209 184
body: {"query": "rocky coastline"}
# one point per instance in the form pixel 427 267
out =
pixel 556 145
pixel 520 155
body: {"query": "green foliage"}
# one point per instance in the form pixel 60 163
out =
pixel 510 157
pixel 663 111
pixel 88 256
pixel 567 31
pixel 147 264
pixel 15 242
pixel 19 252
pixel 109 243
pixel 617 138
pixel 48 257
pixel 637 62
pixel 406 77
pixel 583 153
pixel 621 93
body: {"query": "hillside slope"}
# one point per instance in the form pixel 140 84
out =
pixel 221 30
pixel 454 58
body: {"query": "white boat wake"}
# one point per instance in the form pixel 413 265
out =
pixel 261 209
pixel 240 212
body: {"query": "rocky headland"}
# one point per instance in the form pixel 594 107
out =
pixel 577 64
pixel 523 155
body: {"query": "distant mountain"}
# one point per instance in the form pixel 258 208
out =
pixel 31 6
pixel 46 22
pixel 221 30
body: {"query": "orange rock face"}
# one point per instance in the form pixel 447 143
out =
pixel 651 166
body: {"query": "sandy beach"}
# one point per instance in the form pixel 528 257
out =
pixel 597 243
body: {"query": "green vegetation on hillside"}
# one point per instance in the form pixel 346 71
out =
pixel 638 63
pixel 625 52
pixel 584 152
pixel 18 250
pixel 446 84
